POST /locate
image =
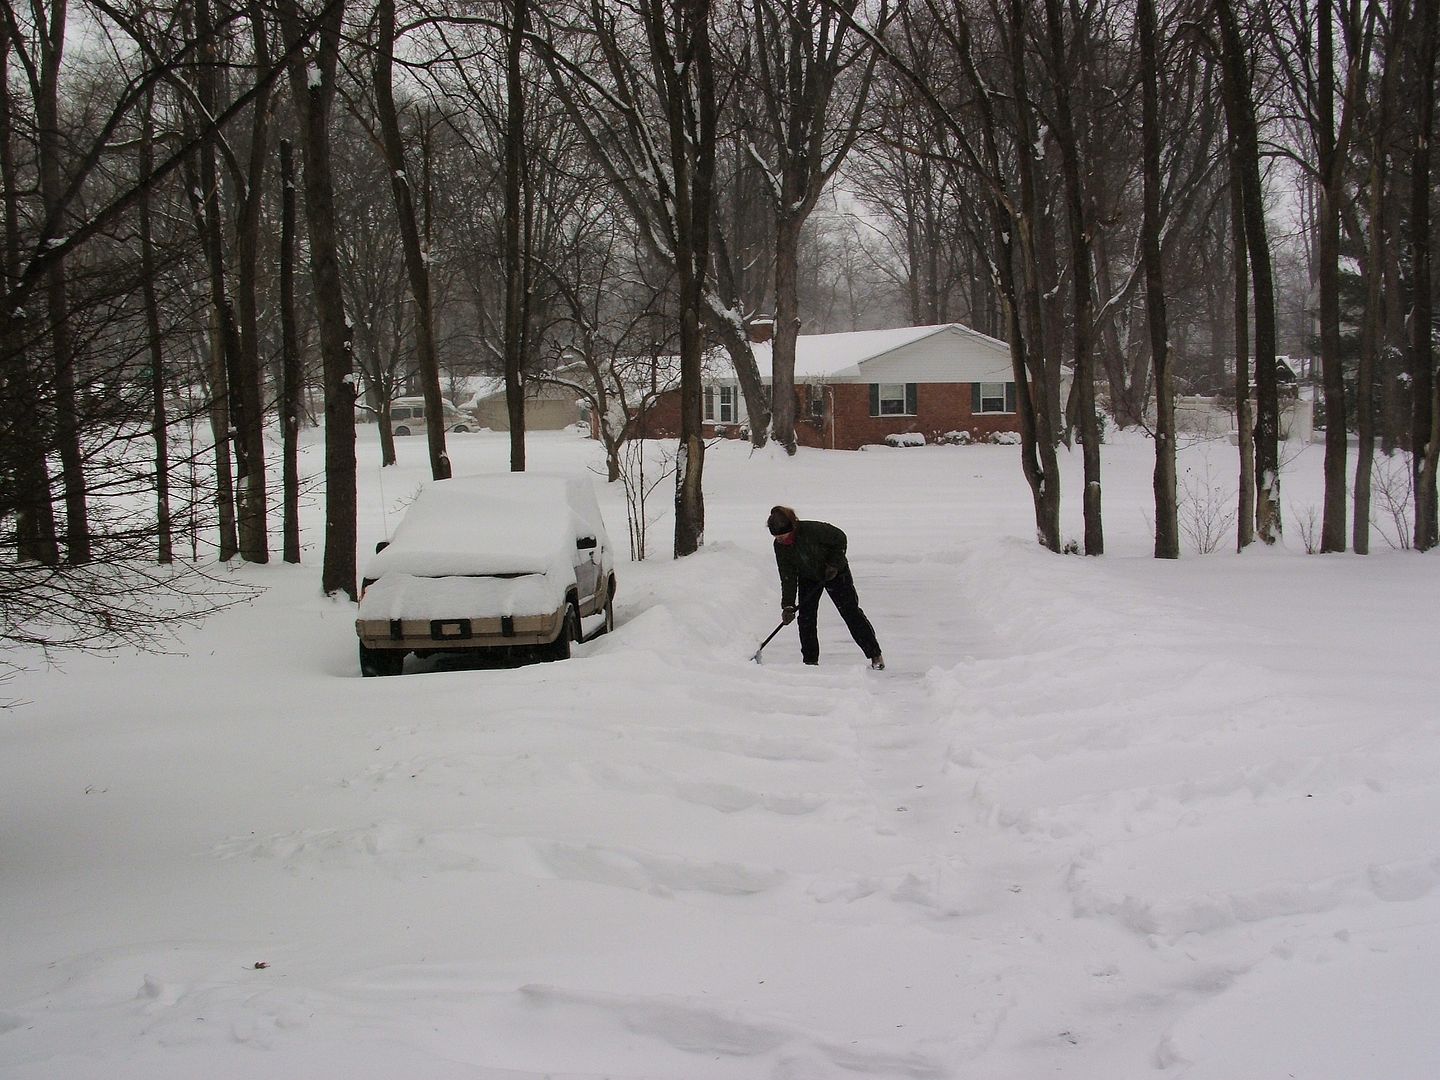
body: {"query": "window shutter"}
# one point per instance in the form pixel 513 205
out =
pixel 912 398
pixel 874 399
pixel 1009 397
pixel 709 403
pixel 975 405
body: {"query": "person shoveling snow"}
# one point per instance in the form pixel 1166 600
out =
pixel 811 558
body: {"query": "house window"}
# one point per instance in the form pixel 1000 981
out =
pixel 894 399
pixel 815 403
pixel 994 397
pixel 720 405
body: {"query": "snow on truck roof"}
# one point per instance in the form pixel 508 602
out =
pixel 503 523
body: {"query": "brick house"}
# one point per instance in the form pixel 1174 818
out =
pixel 858 388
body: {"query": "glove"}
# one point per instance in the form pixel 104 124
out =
pixel 787 615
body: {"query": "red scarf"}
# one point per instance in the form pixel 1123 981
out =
pixel 787 539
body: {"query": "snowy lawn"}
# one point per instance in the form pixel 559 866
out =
pixel 1100 818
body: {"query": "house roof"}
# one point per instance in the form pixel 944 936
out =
pixel 840 357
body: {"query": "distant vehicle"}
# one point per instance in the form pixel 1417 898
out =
pixel 511 561
pixel 407 417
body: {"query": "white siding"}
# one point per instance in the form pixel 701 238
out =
pixel 950 356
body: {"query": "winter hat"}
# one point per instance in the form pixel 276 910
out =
pixel 781 520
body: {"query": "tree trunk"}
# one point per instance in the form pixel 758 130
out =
pixel 515 247
pixel 935 288
pixel 1025 409
pixel 913 256
pixel 1244 415
pixel 313 84
pixel 1048 415
pixel 1368 363
pixel 691 115
pixel 219 410
pixel 1394 402
pixel 35 537
pixel 1080 276
pixel 1372 368
pixel 1240 114
pixel 292 374
pixel 1425 409
pixel 49 140
pixel 249 519
pixel 690 465
pixel 254 500
pixel 1332 528
pixel 787 332
pixel 417 266
pixel 159 424
pixel 1167 524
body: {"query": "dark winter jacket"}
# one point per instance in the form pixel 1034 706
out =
pixel 817 554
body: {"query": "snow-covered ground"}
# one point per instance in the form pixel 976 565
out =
pixel 1100 818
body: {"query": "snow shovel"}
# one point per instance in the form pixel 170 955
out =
pixel 767 641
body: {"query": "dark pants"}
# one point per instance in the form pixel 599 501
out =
pixel 842 591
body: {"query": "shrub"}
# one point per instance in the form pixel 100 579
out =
pixel 909 438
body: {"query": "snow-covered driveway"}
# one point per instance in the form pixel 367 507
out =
pixel 1099 818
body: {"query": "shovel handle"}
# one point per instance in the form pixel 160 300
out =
pixel 767 641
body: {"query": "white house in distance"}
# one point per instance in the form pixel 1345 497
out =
pixel 548 407
pixel 859 388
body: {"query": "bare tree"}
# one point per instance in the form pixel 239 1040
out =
pixel 149 274
pixel 1374 137
pixel 414 246
pixel 996 148
pixel 1167 524
pixel 312 82
pixel 652 127
pixel 44 73
pixel 23 466
pixel 1303 36
pixel 1245 168
pixel 374 276
pixel 1244 404
pixel 813 79
pixel 1081 266
pixel 614 359
pixel 292 375
pixel 1425 399
pixel 516 235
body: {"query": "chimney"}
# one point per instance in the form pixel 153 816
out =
pixel 760 329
